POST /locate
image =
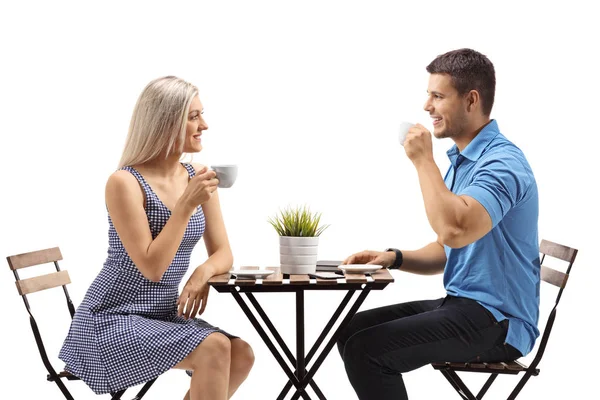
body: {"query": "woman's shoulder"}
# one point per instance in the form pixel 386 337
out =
pixel 122 180
pixel 122 175
pixel 123 190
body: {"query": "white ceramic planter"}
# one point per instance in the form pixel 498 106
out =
pixel 297 250
pixel 290 259
pixel 298 255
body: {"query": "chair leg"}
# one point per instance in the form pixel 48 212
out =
pixel 141 393
pixel 486 386
pixel 117 396
pixel 63 389
pixel 144 389
pixel 458 384
pixel 520 385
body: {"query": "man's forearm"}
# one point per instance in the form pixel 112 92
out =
pixel 429 260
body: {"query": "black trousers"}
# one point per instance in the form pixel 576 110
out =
pixel 381 344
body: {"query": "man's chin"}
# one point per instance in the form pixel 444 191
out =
pixel 441 134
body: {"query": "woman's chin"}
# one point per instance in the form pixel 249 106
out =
pixel 193 149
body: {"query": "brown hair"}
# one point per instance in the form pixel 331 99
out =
pixel 469 70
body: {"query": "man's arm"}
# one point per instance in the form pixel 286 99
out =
pixel 429 260
pixel 457 220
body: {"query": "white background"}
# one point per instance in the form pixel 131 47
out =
pixel 306 98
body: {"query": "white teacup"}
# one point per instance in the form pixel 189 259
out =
pixel 403 131
pixel 226 174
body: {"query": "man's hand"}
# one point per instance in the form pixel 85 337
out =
pixel 418 145
pixel 383 258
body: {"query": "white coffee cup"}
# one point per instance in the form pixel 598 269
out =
pixel 226 174
pixel 403 131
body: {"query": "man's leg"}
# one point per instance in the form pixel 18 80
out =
pixel 459 330
pixel 377 316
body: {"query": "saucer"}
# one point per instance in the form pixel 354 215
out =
pixel 359 268
pixel 251 273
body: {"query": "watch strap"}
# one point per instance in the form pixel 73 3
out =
pixel 398 261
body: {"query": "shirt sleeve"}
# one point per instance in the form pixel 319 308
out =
pixel 498 184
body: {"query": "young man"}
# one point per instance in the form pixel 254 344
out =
pixel 485 214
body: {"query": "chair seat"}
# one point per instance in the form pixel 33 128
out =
pixel 63 374
pixel 510 367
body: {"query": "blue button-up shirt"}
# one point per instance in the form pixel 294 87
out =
pixel 501 270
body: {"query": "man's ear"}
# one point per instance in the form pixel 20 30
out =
pixel 473 100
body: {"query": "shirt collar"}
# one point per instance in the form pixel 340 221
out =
pixel 476 147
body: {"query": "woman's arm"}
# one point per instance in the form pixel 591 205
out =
pixel 194 296
pixel 125 203
pixel 220 257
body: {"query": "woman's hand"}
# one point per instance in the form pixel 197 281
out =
pixel 200 188
pixel 194 295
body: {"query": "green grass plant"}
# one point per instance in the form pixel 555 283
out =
pixel 298 222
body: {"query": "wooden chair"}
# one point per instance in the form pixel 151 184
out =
pixel 548 275
pixel 48 281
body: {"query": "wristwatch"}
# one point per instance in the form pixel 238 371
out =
pixel 398 261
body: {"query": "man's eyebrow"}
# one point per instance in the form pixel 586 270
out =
pixel 434 92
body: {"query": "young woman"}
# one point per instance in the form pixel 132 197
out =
pixel 133 324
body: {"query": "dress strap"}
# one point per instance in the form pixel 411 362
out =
pixel 137 175
pixel 190 169
pixel 145 186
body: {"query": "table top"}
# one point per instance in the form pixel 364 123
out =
pixel 278 282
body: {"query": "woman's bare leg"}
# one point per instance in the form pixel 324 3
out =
pixel 242 359
pixel 211 363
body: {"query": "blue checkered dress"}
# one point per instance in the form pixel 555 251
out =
pixel 126 331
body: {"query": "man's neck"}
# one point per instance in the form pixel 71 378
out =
pixel 469 133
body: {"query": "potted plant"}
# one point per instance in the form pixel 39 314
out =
pixel 299 231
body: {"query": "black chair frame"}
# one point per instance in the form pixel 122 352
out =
pixel 549 275
pixel 31 285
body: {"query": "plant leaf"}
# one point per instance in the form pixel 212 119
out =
pixel 297 221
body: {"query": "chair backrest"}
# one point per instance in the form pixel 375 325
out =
pixel 551 275
pixel 39 283
pixel 556 278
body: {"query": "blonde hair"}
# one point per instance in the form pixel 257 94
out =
pixel 159 120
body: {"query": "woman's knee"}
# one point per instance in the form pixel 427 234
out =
pixel 215 350
pixel 242 356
